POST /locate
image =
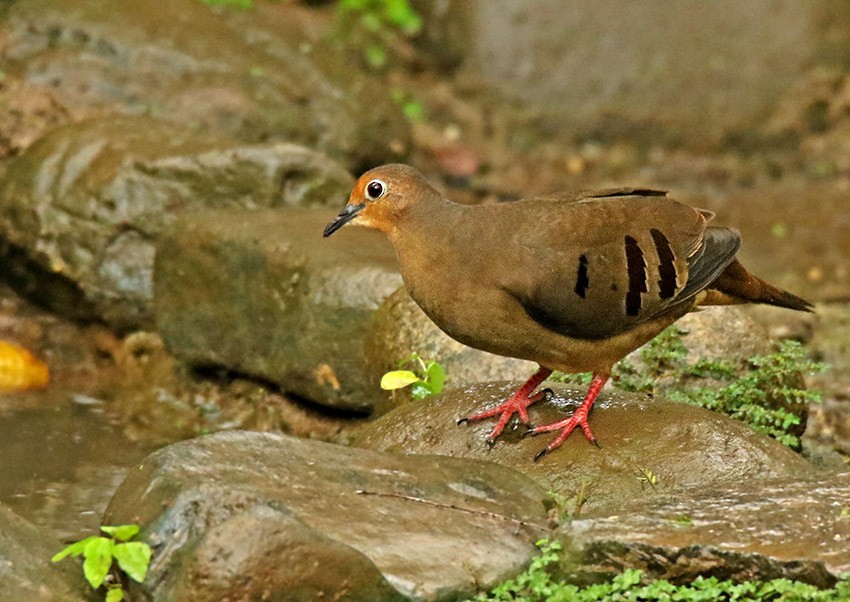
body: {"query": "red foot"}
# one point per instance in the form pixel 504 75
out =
pixel 516 404
pixel 579 418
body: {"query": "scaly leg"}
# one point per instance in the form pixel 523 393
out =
pixel 516 404
pixel 579 418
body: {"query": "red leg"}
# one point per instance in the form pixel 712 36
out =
pixel 579 418
pixel 516 404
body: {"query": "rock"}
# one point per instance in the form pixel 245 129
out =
pixel 788 528
pixel 262 75
pixel 83 207
pixel 242 515
pixel 263 294
pixel 685 447
pixel 400 328
pixel 26 572
pixel 593 69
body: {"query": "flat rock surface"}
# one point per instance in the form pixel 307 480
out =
pixel 317 519
pixel 684 447
pixel 792 528
pixel 264 294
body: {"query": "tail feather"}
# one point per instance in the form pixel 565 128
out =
pixel 736 285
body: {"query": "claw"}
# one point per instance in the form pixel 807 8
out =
pixel 530 432
pixel 462 420
pixel 540 454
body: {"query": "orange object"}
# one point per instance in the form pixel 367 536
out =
pixel 20 370
pixel 573 282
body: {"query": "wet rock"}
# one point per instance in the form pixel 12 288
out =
pixel 26 572
pixel 240 515
pixel 400 328
pixel 785 528
pixel 263 294
pixel 594 70
pixel 262 74
pixel 684 447
pixel 83 207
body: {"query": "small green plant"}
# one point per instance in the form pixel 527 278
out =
pixel 745 397
pixel 648 477
pixel 426 378
pixel 377 26
pixel 536 584
pixel 100 553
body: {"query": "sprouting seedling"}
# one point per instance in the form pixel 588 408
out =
pixel 426 378
pixel 648 477
pixel 99 553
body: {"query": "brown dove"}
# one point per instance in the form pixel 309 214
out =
pixel 571 281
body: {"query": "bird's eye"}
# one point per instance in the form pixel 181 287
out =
pixel 375 189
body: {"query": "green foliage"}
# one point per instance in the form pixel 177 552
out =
pixel 771 377
pixel 536 584
pixel 377 26
pixel 746 397
pixel 99 553
pixel 427 377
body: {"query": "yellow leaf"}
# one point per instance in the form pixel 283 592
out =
pixel 398 379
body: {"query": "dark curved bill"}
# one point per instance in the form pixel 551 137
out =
pixel 347 214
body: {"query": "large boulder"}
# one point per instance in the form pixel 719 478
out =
pixel 649 446
pixel 247 516
pixel 83 207
pixel 788 528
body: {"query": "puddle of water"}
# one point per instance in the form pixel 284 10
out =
pixel 60 465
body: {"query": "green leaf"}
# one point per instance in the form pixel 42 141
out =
pixel 122 532
pixel 116 594
pixel 398 379
pixel 98 555
pixel 75 549
pixel 435 375
pixel 421 390
pixel 133 558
